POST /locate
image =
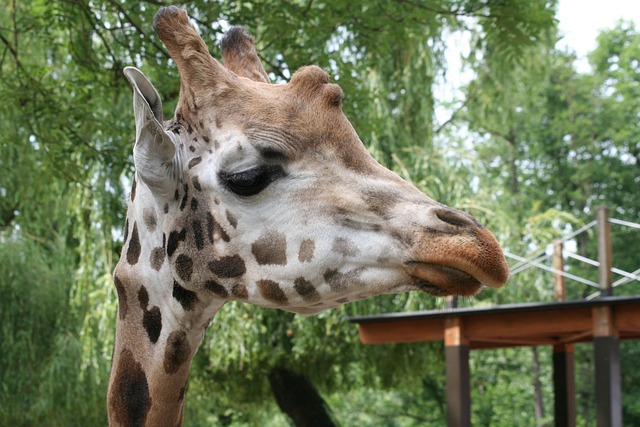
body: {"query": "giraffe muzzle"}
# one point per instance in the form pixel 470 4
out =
pixel 456 256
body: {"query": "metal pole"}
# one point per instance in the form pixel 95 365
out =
pixel 564 385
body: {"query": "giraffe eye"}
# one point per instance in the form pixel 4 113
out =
pixel 252 181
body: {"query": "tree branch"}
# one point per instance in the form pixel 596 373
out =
pixel 11 49
pixel 119 7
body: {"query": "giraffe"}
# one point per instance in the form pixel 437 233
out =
pixel 261 193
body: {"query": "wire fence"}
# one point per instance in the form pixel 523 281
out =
pixel 539 258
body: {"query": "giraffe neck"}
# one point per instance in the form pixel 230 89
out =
pixel 155 342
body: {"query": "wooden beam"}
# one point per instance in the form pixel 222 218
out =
pixel 409 330
pixel 492 330
pixel 627 319
pixel 515 326
pixel 521 326
pixel 487 343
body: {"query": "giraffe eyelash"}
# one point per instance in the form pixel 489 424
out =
pixel 252 181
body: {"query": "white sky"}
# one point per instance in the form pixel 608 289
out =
pixel 580 21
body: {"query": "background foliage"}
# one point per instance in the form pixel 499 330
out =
pixel 531 148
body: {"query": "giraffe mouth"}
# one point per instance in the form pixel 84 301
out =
pixel 442 280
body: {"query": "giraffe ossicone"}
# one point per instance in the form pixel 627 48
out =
pixel 261 193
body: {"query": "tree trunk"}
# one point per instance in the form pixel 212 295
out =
pixel 298 398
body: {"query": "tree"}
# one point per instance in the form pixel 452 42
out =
pixel 562 143
pixel 69 129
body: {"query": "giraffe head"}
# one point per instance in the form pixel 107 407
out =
pixel 265 193
pixel 261 193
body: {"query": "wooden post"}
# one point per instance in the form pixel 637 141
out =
pixel 458 389
pixel 559 291
pixel 604 252
pixel 563 360
pixel 606 344
pixel 451 302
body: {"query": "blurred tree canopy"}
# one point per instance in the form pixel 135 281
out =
pixel 533 146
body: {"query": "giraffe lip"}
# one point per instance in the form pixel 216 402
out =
pixel 430 288
pixel 442 280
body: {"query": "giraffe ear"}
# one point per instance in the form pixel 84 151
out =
pixel 154 150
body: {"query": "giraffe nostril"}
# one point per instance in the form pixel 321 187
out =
pixel 456 218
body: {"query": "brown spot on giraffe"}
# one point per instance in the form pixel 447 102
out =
pixel 240 291
pixel 129 399
pixel 270 248
pixel 339 281
pixel 175 237
pixel 133 189
pixel 143 297
pixel 307 248
pixel 150 219
pixel 151 319
pixel 215 230
pixel 198 235
pixel 216 288
pixel 306 290
pixel 122 297
pixel 177 351
pixel 184 267
pixel 232 219
pixel 185 297
pixel 185 197
pixel 345 247
pixel 156 258
pixel 133 252
pixel 271 291
pixel 381 202
pixel 126 232
pixel 194 162
pixel 196 183
pixel 211 222
pixel 228 266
